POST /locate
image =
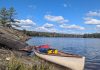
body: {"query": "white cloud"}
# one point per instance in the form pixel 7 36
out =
pixel 58 19
pixel 44 29
pixel 41 29
pixel 54 18
pixel 47 25
pixel 72 27
pixel 63 21
pixel 92 21
pixel 98 26
pixel 26 22
pixel 32 6
pixel 65 5
pixel 93 13
pixel 25 26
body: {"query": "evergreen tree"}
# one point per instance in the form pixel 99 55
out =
pixel 7 17
pixel 3 16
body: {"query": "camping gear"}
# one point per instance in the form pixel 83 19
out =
pixel 72 61
pixel 43 50
pixel 44 46
pixel 52 51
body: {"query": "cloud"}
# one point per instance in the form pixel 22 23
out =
pixel 47 25
pixel 65 5
pixel 32 6
pixel 54 18
pixel 93 13
pixel 25 26
pixel 98 26
pixel 41 29
pixel 26 22
pixel 92 21
pixel 63 21
pixel 58 19
pixel 72 27
pixel 46 28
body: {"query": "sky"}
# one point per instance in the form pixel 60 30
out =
pixel 61 16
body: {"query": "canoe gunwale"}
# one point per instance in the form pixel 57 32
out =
pixel 60 55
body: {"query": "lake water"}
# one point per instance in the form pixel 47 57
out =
pixel 88 47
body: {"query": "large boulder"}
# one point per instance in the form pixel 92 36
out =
pixel 9 39
pixel 11 43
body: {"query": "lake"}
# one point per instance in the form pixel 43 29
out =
pixel 88 47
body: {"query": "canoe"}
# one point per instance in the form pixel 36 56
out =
pixel 72 61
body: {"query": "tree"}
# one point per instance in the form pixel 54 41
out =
pixel 11 15
pixel 7 17
pixel 3 16
pixel 24 31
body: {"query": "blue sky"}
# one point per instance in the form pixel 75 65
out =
pixel 61 16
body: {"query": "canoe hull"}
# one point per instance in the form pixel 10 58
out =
pixel 70 62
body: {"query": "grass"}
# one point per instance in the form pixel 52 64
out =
pixel 17 64
pixel 11 60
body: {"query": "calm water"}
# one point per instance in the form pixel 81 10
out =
pixel 90 48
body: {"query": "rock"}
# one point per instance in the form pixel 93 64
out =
pixel 11 43
pixel 11 39
pixel 8 58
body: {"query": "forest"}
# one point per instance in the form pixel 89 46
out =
pixel 48 34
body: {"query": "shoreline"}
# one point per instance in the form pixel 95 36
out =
pixel 11 54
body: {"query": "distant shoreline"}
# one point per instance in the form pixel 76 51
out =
pixel 48 34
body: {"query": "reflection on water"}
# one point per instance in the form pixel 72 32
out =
pixel 90 48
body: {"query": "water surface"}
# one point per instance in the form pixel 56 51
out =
pixel 88 47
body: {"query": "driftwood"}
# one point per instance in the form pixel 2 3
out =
pixel 11 43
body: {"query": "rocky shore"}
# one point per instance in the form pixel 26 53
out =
pixel 11 59
pixel 12 38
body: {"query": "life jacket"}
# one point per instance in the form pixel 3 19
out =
pixel 52 51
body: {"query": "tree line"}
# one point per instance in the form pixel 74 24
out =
pixel 93 35
pixel 48 34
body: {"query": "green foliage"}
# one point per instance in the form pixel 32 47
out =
pixel 3 16
pixel 7 17
pixel 94 35
pixel 11 13
pixel 48 34
pixel 16 64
